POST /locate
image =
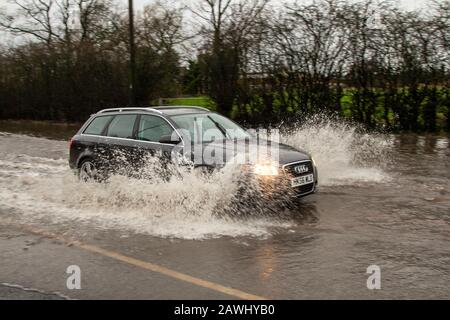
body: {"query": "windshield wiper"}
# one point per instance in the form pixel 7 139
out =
pixel 219 126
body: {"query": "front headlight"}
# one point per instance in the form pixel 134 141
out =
pixel 268 169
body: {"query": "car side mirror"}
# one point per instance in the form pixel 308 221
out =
pixel 169 139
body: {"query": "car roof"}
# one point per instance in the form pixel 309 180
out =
pixel 166 110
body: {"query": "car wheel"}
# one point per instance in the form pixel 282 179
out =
pixel 88 171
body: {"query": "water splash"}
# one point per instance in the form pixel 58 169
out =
pixel 40 186
pixel 183 207
pixel 344 153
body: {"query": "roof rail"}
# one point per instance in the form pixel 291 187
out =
pixel 128 109
pixel 181 106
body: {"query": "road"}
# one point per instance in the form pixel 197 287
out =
pixel 392 212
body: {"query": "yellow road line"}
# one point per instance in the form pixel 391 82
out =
pixel 154 267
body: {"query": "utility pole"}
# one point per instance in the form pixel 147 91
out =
pixel 132 54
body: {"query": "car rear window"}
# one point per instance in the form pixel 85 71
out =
pixel 97 125
pixel 122 126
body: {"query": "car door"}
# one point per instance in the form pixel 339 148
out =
pixel 93 143
pixel 120 138
pixel 150 130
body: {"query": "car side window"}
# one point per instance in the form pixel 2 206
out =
pixel 97 125
pixel 122 126
pixel 152 128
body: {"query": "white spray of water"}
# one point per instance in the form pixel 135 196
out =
pixel 183 207
pixel 343 155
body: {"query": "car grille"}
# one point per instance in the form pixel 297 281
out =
pixel 290 169
pixel 306 168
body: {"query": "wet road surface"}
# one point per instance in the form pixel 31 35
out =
pixel 389 206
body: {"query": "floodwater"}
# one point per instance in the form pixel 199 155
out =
pixel 384 200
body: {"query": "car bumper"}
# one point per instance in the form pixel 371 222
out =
pixel 280 186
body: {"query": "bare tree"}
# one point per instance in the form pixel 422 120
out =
pixel 161 27
pixel 311 41
pixel 33 18
pixel 225 26
pixel 260 62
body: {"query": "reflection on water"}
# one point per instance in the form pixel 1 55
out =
pixel 429 144
pixel 59 131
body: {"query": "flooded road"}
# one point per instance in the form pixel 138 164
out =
pixel 383 200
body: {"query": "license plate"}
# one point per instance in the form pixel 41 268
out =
pixel 300 181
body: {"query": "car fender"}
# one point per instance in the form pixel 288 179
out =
pixel 87 153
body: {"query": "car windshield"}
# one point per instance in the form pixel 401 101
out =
pixel 209 127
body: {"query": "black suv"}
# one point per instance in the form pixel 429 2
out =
pixel 195 135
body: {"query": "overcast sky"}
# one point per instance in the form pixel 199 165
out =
pixel 407 4
pixel 139 4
